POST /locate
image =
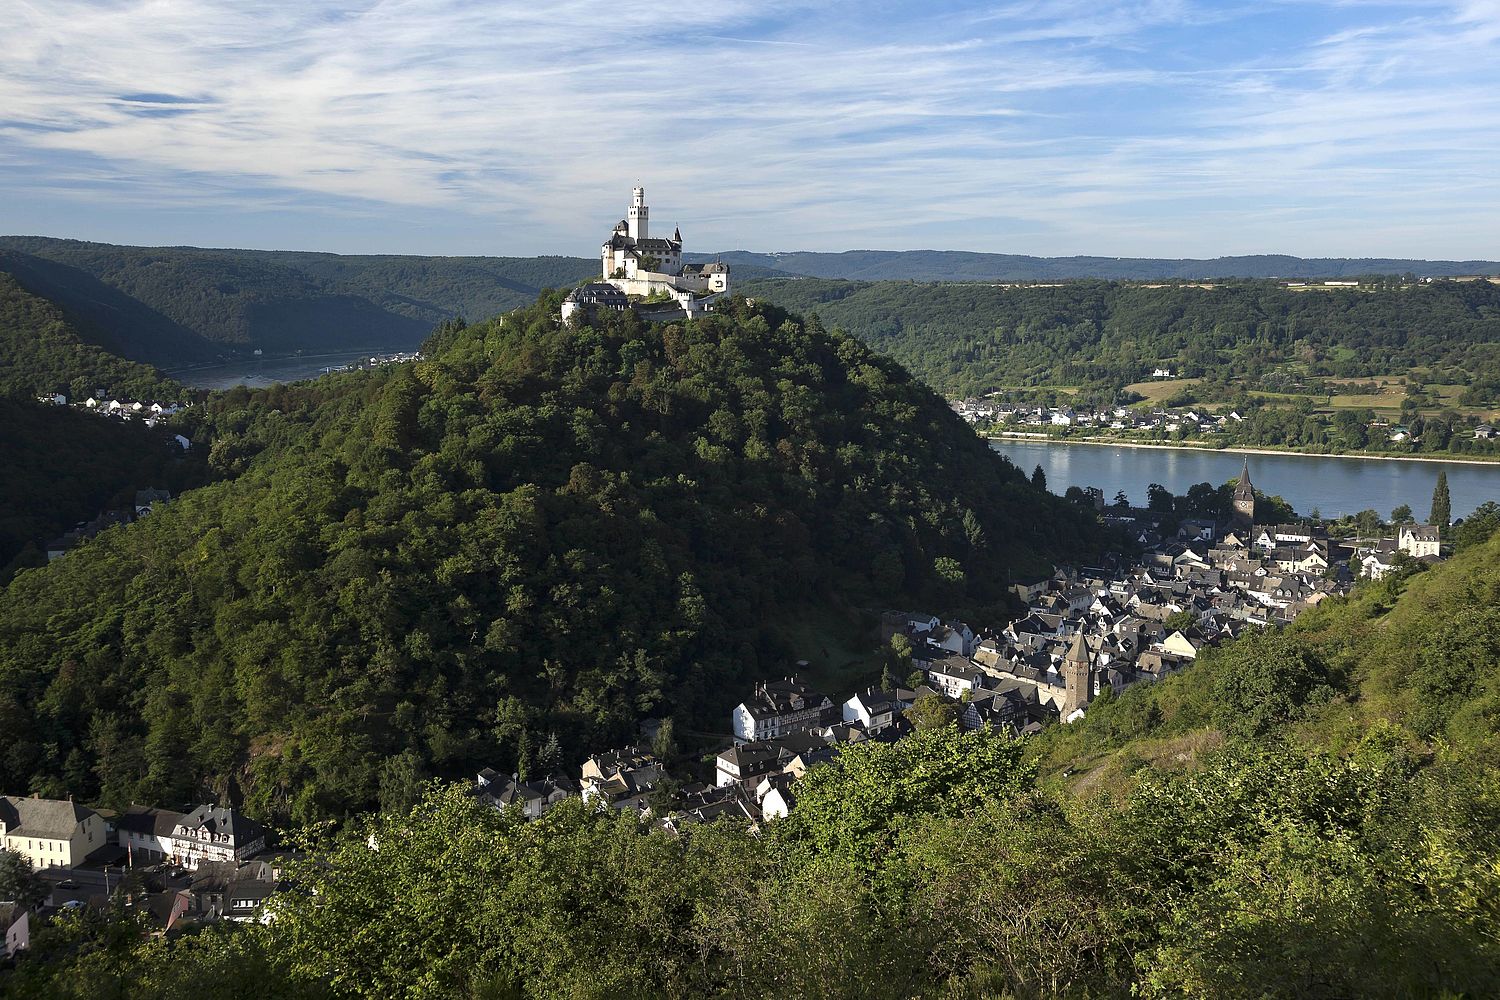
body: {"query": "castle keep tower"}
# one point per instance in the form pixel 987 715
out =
pixel 638 220
pixel 1078 676
pixel 1244 501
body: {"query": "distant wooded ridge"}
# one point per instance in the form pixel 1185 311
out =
pixel 962 265
pixel 174 306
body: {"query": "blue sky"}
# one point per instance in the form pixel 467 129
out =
pixel 1157 128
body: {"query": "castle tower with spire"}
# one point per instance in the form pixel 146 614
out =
pixel 1244 501
pixel 1078 676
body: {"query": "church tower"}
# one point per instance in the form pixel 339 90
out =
pixel 640 216
pixel 1244 500
pixel 1078 676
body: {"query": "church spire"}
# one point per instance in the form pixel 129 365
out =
pixel 1244 500
pixel 1078 677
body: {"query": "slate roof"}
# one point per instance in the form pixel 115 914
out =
pixel 221 821
pixel 44 819
pixel 148 821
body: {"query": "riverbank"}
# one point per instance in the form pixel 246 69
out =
pixel 1209 450
pixel 279 359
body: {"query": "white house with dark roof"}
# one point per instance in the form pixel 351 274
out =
pixel 954 676
pixel 15 921
pixel 1418 540
pixel 214 833
pixel 49 833
pixel 775 708
pixel 145 833
pixel 535 797
pixel 875 709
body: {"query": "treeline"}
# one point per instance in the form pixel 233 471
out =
pixel 962 265
pixel 1309 813
pixel 968 339
pixel 540 530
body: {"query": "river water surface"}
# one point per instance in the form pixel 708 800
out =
pixel 1333 485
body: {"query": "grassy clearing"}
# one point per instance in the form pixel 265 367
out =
pixel 1162 389
pixel 1071 390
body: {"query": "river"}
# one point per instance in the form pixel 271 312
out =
pixel 1334 485
pixel 260 372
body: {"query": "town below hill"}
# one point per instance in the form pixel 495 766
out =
pixel 1202 578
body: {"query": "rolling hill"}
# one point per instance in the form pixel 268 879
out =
pixel 974 337
pixel 538 530
pixel 179 305
pixel 41 350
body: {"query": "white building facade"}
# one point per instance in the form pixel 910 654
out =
pixel 650 268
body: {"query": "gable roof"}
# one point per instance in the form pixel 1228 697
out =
pixel 148 821
pixel 45 819
pixel 220 821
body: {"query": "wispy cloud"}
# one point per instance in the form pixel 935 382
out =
pixel 1053 126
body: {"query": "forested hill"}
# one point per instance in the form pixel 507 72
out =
pixel 970 338
pixel 427 568
pixel 178 305
pixel 961 265
pixel 41 351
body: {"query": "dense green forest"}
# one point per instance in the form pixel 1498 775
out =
pixel 63 466
pixel 1314 813
pixel 184 304
pixel 974 338
pixel 538 530
pixel 40 351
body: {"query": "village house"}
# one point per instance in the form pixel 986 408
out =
pixel 1418 540
pixel 49 833
pixel 622 779
pixel 874 709
pixel 778 707
pixel 535 797
pixel 206 833
pixel 15 922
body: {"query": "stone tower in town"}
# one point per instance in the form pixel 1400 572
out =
pixel 1244 501
pixel 1078 676
pixel 638 221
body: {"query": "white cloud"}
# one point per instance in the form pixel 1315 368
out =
pixel 786 125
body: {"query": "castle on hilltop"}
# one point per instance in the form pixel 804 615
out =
pixel 646 273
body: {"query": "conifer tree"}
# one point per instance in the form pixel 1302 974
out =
pixel 523 755
pixel 549 757
pixel 1442 505
pixel 664 744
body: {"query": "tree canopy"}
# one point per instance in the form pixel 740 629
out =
pixel 541 529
